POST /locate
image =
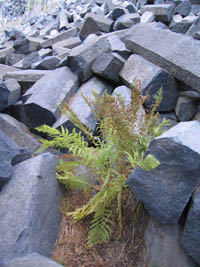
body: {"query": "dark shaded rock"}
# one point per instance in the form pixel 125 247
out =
pixel 13 34
pixel 48 96
pixel 126 21
pixel 18 132
pixel 117 46
pixel 166 190
pixel 10 154
pixel 181 25
pixel 163 247
pixel 186 107
pixel 190 236
pixel 183 8
pixel 48 63
pixel 108 65
pixel 195 9
pixel 28 60
pixel 81 57
pixel 118 12
pixel 31 260
pixel 94 23
pixel 130 7
pixel 162 12
pixel 10 93
pixel 4 53
pixel 138 68
pixel 34 227
pixel 170 116
pixel 27 45
pixel 158 46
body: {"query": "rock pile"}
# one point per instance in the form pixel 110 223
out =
pixel 100 45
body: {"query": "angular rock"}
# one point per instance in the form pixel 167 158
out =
pixel 190 236
pixel 34 227
pixel 81 57
pixel 108 66
pixel 4 53
pixel 63 20
pixel 10 93
pixel 27 61
pixel 165 49
pixel 186 106
pixel 195 28
pixel 48 63
pixel 147 17
pixel 162 12
pixel 126 21
pixel 27 45
pixel 85 114
pixel 93 24
pixel 62 36
pixel 117 46
pixel 4 69
pixel 18 132
pixel 26 75
pixel 10 154
pixel 166 190
pixel 138 68
pixel 181 25
pixel 48 97
pixel 195 9
pixel 163 247
pixel 130 7
pixel 31 260
pixel 13 58
pixel 183 8
pixel 68 43
pixel 118 12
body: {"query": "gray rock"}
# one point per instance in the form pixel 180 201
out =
pixel 126 21
pixel 10 154
pixel 108 65
pixel 13 58
pixel 162 12
pixel 68 43
pixel 94 23
pixel 10 93
pixel 165 49
pixel 81 57
pixel 166 190
pixel 26 75
pixel 124 92
pixel 34 227
pixel 138 68
pixel 170 116
pixel 190 236
pixel 194 2
pixel 85 114
pixel 186 108
pixel 163 248
pixel 183 8
pixel 4 53
pixel 117 46
pixel 147 17
pixel 62 36
pixel 63 20
pixel 195 9
pixel 27 61
pixel 48 97
pixel 141 3
pixel 181 25
pixel 27 45
pixel 4 69
pixel 118 12
pixel 130 7
pixel 194 28
pixel 18 132
pixel 48 63
pixel 31 260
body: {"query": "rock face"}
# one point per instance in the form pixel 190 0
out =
pixel 158 47
pixel 166 190
pixel 190 237
pixel 34 227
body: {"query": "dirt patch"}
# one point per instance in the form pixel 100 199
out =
pixel 71 250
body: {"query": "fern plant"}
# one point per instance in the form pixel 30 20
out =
pixel 125 133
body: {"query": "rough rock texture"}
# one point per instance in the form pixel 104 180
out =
pixel 34 227
pixel 166 190
pixel 190 238
pixel 165 49
pixel 30 260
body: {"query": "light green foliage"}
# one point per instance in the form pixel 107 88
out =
pixel 119 149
